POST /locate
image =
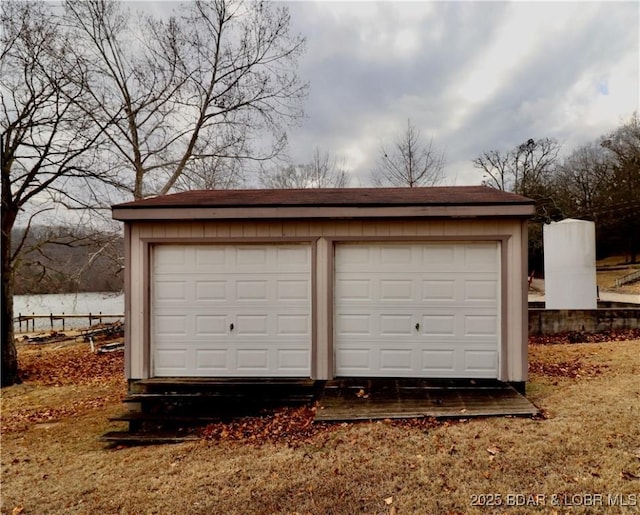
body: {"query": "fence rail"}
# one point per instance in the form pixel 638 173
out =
pixel 52 317
pixel 629 278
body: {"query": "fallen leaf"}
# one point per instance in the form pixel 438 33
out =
pixel 388 501
pixel 493 450
pixel 362 394
pixel 17 510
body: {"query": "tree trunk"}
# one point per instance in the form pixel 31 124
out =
pixel 9 355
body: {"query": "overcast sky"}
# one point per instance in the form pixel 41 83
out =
pixel 475 76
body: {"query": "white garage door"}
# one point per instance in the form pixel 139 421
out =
pixel 417 310
pixel 231 310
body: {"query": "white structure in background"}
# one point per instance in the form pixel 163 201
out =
pixel 570 265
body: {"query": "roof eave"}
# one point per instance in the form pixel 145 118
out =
pixel 129 214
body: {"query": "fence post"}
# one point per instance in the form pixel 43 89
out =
pixel 63 319
pixel 33 322
pixel 20 321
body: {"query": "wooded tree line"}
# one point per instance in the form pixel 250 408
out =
pixel 59 259
pixel 599 181
pixel 100 103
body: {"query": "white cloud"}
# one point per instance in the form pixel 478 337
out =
pixel 474 75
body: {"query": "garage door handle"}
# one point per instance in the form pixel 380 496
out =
pixel 418 326
pixel 231 327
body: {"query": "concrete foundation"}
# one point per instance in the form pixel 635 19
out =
pixel 550 321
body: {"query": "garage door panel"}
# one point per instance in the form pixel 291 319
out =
pixel 437 255
pixel 397 289
pixel 353 289
pixel 251 256
pixel 171 359
pixel 437 325
pixel 354 361
pixel 251 290
pixel 293 325
pixel 252 360
pixel 253 325
pixel 481 290
pixel 353 324
pixel 481 361
pixel 438 290
pixel 480 257
pixel 294 258
pixel 293 360
pixel 212 360
pixel 210 291
pixel 396 360
pixel 212 325
pixel 231 310
pixel 292 290
pixel 480 325
pixel 209 257
pixel 396 255
pixel 170 291
pixel 170 258
pixel 417 310
pixel 438 361
pixel 171 325
pixel 395 324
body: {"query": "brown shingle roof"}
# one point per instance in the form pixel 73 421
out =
pixel 336 197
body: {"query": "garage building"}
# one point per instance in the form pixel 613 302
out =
pixel 325 283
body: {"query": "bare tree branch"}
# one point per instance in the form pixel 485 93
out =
pixel 322 172
pixel 410 161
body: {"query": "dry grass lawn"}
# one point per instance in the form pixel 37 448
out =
pixel 613 268
pixel 588 443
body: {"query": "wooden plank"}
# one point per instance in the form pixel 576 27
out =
pixel 125 437
pixel 370 399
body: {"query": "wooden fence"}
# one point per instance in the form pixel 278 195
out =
pixel 91 318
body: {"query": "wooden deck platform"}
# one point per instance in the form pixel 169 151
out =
pixel 169 407
pixel 378 398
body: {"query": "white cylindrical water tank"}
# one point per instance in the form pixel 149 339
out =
pixel 570 265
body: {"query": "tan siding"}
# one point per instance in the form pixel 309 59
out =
pixel 383 229
pixel 509 231
pixel 197 230
pixel 322 337
pixel 302 229
pixel 409 228
pixel 355 228
pixel 437 228
pixel 262 230
pixel 275 230
pixel 156 231
pixel 137 296
pixel 171 229
pixel 235 230
pixel 249 231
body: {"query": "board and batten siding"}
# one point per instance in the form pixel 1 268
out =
pixel 322 236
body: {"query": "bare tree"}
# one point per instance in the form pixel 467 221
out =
pixel 322 172
pixel 525 169
pixel 46 142
pixel 410 161
pixel 211 174
pixel 203 85
pixel 581 182
pixel 528 170
pixel 623 149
